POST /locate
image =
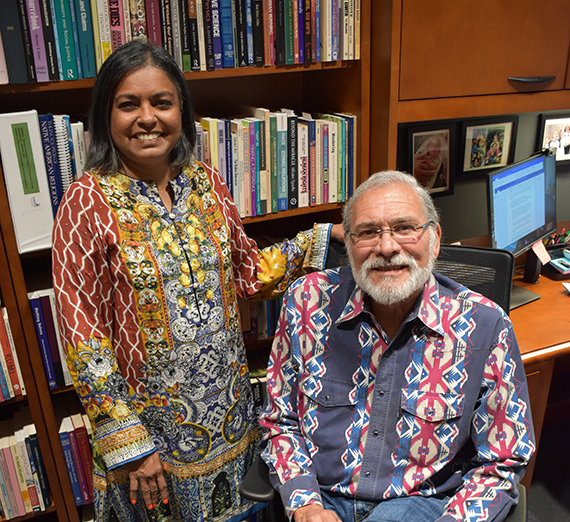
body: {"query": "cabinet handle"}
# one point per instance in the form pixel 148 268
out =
pixel 532 79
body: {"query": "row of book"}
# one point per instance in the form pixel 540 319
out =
pixel 274 161
pixel 75 434
pixel 42 304
pixel 51 40
pixel 271 161
pixel 259 318
pixel 11 382
pixel 23 481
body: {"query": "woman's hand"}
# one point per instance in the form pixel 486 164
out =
pixel 146 474
pixel 337 233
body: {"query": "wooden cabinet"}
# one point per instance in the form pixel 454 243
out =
pixel 323 87
pixel 447 60
pixel 456 49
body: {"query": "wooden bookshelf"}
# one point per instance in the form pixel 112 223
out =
pixel 342 86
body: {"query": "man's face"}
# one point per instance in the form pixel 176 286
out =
pixel 391 272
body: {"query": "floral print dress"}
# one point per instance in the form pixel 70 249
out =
pixel 147 303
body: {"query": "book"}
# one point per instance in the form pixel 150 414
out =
pixel 116 24
pixel 257 33
pixel 279 32
pixel 30 484
pixel 37 463
pixel 13 43
pixel 10 356
pixel 138 19
pixel 175 19
pixel 154 31
pixel 70 463
pixel 253 157
pixel 307 31
pixel 127 20
pixel 193 35
pixel 61 14
pixel 208 34
pixel 249 31
pixel 54 73
pixel 229 160
pixel 269 31
pixel 86 44
pixel 227 30
pixel 184 28
pixel 303 161
pixel 3 69
pixel 297 43
pixel 79 148
pixel 86 493
pixel 51 159
pixel 273 162
pixel 216 33
pixel 11 488
pixel 316 30
pixel 65 151
pixel 289 36
pixel 166 25
pixel 238 189
pixel 240 32
pixel 59 363
pixel 26 180
pixel 27 39
pixel 282 161
pixel 5 392
pixel 201 33
pixel 84 446
pixel 20 477
pixel 43 341
pixel 292 171
pixel 104 25
pixel 246 185
pixel 33 11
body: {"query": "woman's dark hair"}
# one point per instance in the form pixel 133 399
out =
pixel 134 55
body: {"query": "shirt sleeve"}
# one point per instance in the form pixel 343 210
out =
pixel 83 283
pixel 266 273
pixel 503 435
pixel 285 449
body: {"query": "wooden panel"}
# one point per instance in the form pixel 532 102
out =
pixel 538 378
pixel 452 49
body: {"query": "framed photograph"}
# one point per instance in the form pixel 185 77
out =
pixel 428 155
pixel 554 132
pixel 488 143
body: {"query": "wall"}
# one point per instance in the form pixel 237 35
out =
pixel 464 214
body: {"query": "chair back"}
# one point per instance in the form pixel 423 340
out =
pixel 488 271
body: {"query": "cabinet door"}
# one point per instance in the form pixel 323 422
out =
pixel 452 48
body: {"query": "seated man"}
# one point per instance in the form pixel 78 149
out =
pixel 394 393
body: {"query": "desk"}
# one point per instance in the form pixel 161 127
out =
pixel 543 333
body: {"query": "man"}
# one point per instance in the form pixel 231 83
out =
pixel 394 394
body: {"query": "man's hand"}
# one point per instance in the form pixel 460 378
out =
pixel 146 474
pixel 315 513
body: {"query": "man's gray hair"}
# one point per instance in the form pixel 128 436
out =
pixel 385 178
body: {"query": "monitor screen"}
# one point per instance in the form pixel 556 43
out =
pixel 522 203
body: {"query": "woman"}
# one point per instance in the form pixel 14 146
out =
pixel 149 257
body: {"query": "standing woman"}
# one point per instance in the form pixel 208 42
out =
pixel 149 257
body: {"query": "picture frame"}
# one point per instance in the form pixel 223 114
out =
pixel 427 152
pixel 554 132
pixel 488 143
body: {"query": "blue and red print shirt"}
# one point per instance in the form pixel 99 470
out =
pixel 440 409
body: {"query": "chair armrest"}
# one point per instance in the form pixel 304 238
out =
pixel 518 512
pixel 255 485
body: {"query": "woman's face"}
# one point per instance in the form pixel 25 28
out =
pixel 145 119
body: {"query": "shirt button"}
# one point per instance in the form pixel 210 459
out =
pixel 375 433
pixel 367 473
pixel 171 215
pixel 327 397
pixel 381 393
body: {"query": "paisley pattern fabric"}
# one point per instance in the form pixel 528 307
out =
pixel 440 409
pixel 148 306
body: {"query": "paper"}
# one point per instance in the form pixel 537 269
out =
pixel 540 250
pixel 567 286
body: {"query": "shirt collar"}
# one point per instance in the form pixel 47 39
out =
pixel 427 308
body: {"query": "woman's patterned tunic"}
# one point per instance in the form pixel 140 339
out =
pixel 148 307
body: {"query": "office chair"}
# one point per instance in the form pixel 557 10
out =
pixel 484 270
pixel 488 271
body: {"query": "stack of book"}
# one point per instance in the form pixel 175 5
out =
pixel 51 40
pixel 42 304
pixel 41 156
pixel 11 382
pixel 278 160
pixel 75 436
pixel 23 480
pixel 259 318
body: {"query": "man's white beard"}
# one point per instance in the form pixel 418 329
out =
pixel 385 292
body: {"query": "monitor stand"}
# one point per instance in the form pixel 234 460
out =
pixel 521 296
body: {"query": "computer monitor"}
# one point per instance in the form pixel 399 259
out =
pixel 522 211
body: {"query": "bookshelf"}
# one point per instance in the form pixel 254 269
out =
pixel 341 86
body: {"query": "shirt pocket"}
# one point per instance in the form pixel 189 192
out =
pixel 431 406
pixel 328 393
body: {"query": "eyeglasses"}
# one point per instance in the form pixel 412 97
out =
pixel 402 233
